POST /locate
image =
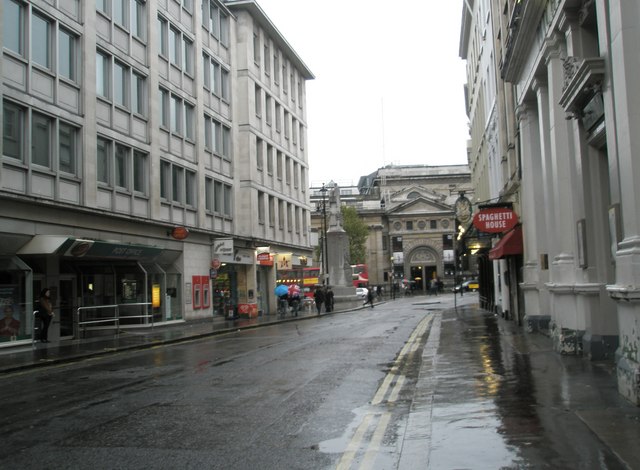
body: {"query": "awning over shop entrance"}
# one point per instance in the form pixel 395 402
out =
pixel 509 245
pixel 79 248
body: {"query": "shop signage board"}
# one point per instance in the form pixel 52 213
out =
pixel 223 249
pixel 495 220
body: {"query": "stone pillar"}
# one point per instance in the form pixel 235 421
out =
pixel 567 325
pixel 625 69
pixel 536 296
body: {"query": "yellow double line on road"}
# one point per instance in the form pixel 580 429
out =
pixel 394 380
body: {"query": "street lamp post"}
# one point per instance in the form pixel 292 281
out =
pixel 325 263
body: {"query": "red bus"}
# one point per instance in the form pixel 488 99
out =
pixel 360 275
pixel 306 278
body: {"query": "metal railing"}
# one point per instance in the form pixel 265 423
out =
pixel 82 322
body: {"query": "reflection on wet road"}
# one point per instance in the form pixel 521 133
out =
pixel 491 406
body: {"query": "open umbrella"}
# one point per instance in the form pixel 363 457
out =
pixel 282 290
pixel 294 289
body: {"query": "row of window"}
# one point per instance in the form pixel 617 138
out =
pixel 215 21
pixel 54 143
pixel 296 217
pixel 47 44
pixel 121 84
pixel 127 14
pixel 433 224
pixel 292 128
pixel 282 73
pixel 266 151
pixel 215 77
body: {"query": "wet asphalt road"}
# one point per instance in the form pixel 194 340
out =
pixel 408 384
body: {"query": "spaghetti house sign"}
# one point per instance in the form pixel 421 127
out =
pixel 495 220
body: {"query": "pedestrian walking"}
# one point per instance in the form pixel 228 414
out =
pixel 45 313
pixel 318 296
pixel 328 301
pixel 369 298
pixel 434 286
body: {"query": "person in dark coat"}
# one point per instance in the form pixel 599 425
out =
pixel 45 313
pixel 328 301
pixel 369 298
pixel 318 296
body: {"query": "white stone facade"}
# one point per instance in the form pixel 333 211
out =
pixel 573 66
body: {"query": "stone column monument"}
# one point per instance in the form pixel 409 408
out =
pixel 339 269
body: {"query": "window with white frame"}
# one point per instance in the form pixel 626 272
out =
pixel 103 65
pixel 277 117
pixel 164 108
pixel 176 45
pixel 178 184
pixel 103 6
pixel 122 162
pixel 13 130
pixel 122 167
pixel 256 47
pixel 163 40
pixel 211 17
pixel 67 148
pixel 280 214
pixel 208 194
pixel 224 28
pixel 272 211
pixel 67 54
pixel 120 84
pixel 261 208
pixel 268 105
pixel 127 87
pixel 258 100
pixel 259 153
pixel 285 77
pixel 13 26
pixel 190 188
pixel 138 19
pixel 287 125
pixel 267 58
pixel 276 68
pixel 41 135
pixel 215 77
pixel 217 137
pixel 269 159
pixel 279 165
pixel 41 41
pixel 139 94
pixel 287 170
pixel 140 172
pixel 120 14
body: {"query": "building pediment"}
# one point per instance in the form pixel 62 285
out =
pixel 420 206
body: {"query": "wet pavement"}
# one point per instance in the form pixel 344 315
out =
pixel 489 395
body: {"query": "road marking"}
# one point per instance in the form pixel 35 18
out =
pixel 354 445
pixel 392 384
pixel 374 447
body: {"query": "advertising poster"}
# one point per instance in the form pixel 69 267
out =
pixel 10 317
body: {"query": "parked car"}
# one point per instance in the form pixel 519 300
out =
pixel 471 285
pixel 362 292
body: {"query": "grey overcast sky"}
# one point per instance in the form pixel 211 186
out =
pixel 388 87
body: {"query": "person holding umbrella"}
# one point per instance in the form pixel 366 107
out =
pixel 282 292
pixel 294 298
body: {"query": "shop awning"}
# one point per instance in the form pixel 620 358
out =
pixel 509 245
pixel 79 248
